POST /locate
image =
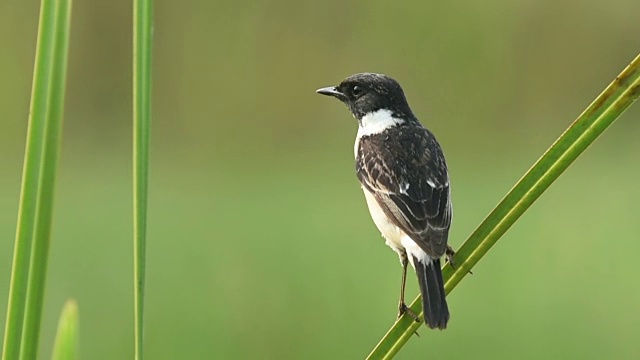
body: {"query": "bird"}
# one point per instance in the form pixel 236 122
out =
pixel 404 176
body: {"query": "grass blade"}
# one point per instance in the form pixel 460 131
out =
pixel 142 31
pixel 38 179
pixel 607 107
pixel 66 344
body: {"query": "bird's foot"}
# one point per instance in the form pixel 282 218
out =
pixel 404 309
pixel 450 253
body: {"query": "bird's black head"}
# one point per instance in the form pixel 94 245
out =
pixel 368 92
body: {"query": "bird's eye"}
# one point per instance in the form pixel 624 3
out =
pixel 357 90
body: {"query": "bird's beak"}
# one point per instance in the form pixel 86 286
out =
pixel 331 91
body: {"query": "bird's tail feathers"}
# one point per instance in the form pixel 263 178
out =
pixel 434 304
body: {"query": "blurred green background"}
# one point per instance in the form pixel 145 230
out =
pixel 260 244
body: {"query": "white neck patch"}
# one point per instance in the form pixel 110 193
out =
pixel 377 122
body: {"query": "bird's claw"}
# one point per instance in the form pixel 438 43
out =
pixel 404 309
pixel 450 253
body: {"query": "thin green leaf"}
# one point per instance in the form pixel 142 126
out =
pixel 142 39
pixel 66 344
pixel 38 179
pixel 607 107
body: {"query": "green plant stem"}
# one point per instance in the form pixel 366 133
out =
pixel 142 40
pixel 65 346
pixel 607 107
pixel 36 197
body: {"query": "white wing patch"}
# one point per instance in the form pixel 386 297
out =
pixel 404 187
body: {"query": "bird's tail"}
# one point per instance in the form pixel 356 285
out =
pixel 434 305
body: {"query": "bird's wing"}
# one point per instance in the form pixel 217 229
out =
pixel 409 180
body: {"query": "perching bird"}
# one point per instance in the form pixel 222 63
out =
pixel 405 181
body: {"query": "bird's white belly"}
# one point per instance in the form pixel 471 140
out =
pixel 394 236
pixel 390 231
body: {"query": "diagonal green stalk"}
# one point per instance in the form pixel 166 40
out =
pixel 66 345
pixel 38 178
pixel 142 28
pixel 607 107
